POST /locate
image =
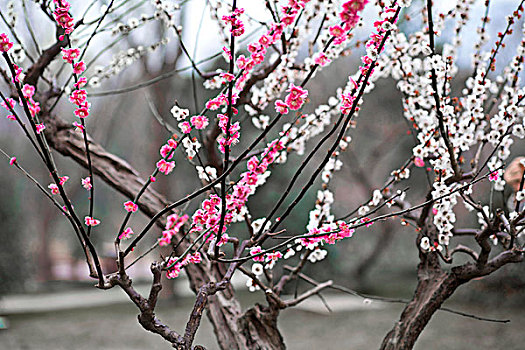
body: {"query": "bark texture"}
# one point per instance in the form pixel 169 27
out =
pixel 432 290
pixel 259 327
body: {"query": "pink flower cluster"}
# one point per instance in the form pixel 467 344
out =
pixel 334 232
pixel 79 96
pixel 294 100
pixel 173 226
pixel 321 59
pixel 86 183
pixel 165 167
pixel 347 100
pixel 257 250
pixel 236 25
pixel 127 233
pixel 5 44
pixel 62 16
pixel 374 43
pixel 273 34
pixel 54 187
pixel 209 215
pixel 221 100
pixel 89 221
pixel 70 55
pixel 199 122
pixel 130 207
pixel 349 14
pixel 28 92
pixel 9 104
pixel 233 132
pixel 174 271
pixel 267 257
pixel 166 151
pixel 34 107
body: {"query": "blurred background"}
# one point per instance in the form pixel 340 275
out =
pixel 48 302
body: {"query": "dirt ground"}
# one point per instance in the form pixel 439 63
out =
pixel 116 327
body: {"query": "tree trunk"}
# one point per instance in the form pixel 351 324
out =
pixel 255 329
pixel 434 287
pixel 259 327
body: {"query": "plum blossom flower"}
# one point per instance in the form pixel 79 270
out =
pixel 321 59
pixel 257 250
pixel 185 127
pixel 347 101
pixel 130 207
pixel 28 91
pixel 78 97
pixel 425 244
pixel 165 167
pixel 494 176
pixel 63 180
pixel 199 121
pixel 296 97
pixel 79 68
pixel 12 161
pixel 86 183
pixel 419 162
pixel 127 233
pixel 53 188
pixel 179 113
pixel 5 44
pixel 81 82
pixel 89 221
pixel 257 269
pixel 39 128
pixel 78 127
pixel 69 55
pixel 82 111
pixel 281 107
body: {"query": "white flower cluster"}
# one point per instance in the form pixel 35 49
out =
pixel 11 15
pixel 191 146
pixel 208 173
pixel 121 60
pixel 257 225
pixel 215 82
pixel 261 121
pixel 18 54
pixel 179 114
pixel 444 216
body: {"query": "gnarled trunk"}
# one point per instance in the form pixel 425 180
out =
pixel 255 329
pixel 434 287
pixel 259 327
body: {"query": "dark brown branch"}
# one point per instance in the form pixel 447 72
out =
pixel 198 309
pixel 147 317
pixel 37 69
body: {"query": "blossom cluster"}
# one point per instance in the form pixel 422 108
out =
pixel 62 16
pixel 174 266
pixel 294 100
pixel 5 44
pixel 173 225
pixel 236 25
